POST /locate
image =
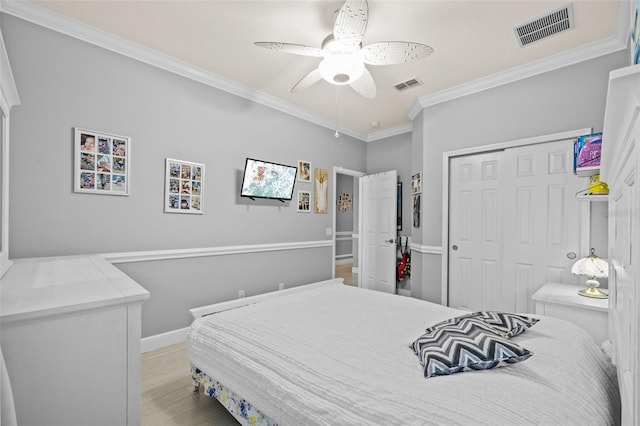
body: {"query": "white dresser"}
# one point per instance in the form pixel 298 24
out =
pixel 70 335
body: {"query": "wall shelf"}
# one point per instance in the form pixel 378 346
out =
pixel 592 197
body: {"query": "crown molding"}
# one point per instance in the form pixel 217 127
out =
pixel 590 51
pixel 387 133
pixel 43 17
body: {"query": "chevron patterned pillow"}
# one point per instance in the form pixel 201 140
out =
pixel 470 344
pixel 505 324
pixel 510 324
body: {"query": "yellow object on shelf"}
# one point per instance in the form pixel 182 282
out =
pixel 596 186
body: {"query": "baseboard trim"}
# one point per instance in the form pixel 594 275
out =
pixel 162 340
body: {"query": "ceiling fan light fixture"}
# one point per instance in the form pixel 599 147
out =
pixel 341 69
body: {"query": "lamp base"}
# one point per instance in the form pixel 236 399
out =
pixel 594 292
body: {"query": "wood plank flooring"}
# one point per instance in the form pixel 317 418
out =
pixel 167 393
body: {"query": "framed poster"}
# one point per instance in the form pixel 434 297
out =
pixel 184 187
pixel 416 211
pixel 321 188
pixel 416 183
pixel 304 201
pixel 102 163
pixel 304 171
pixel 399 207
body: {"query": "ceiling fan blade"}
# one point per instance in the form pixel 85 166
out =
pixel 394 52
pixel 351 22
pixel 365 85
pixel 296 49
pixel 308 80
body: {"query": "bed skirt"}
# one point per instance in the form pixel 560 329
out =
pixel 239 408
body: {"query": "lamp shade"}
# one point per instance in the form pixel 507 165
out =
pixel 592 266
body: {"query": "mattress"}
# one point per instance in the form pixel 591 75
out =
pixel 339 355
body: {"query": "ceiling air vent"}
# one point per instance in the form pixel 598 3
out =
pixel 546 26
pixel 414 82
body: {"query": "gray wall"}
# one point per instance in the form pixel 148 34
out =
pixel 64 83
pixel 394 153
pixel 565 99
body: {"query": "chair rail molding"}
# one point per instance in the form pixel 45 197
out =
pixel 171 254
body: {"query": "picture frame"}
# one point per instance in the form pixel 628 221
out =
pixel 321 184
pixel 416 183
pixel 344 202
pixel 304 171
pixel 184 187
pixel 399 206
pixel 304 202
pixel 416 211
pixel 102 163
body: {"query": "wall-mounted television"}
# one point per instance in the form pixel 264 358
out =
pixel 264 179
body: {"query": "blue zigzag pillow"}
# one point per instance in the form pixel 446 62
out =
pixel 504 323
pixel 470 344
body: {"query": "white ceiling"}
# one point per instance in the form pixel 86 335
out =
pixel 473 41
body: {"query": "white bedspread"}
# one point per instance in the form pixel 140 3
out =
pixel 339 355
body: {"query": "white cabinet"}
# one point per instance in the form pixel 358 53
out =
pixel 71 341
pixel 560 300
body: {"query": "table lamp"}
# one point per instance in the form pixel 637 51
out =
pixel 593 267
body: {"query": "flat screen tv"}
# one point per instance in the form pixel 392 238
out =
pixel 263 179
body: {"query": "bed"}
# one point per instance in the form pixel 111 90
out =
pixel 330 354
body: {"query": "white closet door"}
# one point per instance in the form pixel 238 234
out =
pixel 379 228
pixel 475 232
pixel 541 219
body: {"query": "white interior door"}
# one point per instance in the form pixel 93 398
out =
pixel 475 233
pixel 541 220
pixel 379 227
pixel 513 221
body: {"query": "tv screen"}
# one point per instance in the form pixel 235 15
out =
pixel 263 179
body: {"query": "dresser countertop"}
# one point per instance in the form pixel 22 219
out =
pixel 38 287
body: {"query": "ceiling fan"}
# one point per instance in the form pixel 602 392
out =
pixel 345 57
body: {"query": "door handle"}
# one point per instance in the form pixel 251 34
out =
pixel 391 241
pixel 454 247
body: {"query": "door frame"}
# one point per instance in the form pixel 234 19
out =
pixel 338 170
pixel 446 156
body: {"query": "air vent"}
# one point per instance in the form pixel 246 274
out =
pixel 553 23
pixel 414 82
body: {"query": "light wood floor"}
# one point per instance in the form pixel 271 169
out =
pixel 167 394
pixel 344 271
pixel 168 398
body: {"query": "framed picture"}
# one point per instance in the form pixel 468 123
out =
pixel 184 187
pixel 321 188
pixel 304 201
pixel 416 183
pixel 399 207
pixel 416 211
pixel 304 171
pixel 102 163
pixel 344 202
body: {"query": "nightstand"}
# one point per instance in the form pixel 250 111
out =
pixel 562 300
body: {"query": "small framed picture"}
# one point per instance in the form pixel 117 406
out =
pixel 304 171
pixel 304 201
pixel 184 187
pixel 101 163
pixel 416 183
pixel 416 211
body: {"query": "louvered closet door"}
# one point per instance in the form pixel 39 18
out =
pixel 475 269
pixel 541 220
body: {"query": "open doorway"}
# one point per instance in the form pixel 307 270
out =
pixel 345 224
